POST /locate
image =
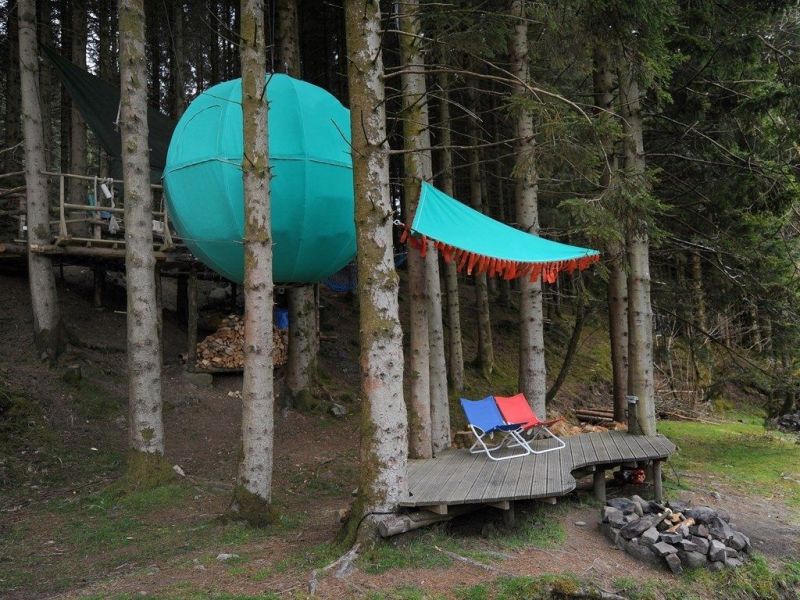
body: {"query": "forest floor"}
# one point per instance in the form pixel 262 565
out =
pixel 65 533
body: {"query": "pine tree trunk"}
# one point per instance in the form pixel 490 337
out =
pixel 178 68
pixel 428 411
pixel 12 118
pixel 153 47
pixel 77 154
pixel 288 42
pixel 697 292
pixel 485 346
pixel 252 495
pixel 303 335
pixel 302 362
pixel 456 352
pixel 384 439
pixel 640 313
pixel 417 168
pixel 146 465
pixel 48 330
pixel 532 370
pixel 617 280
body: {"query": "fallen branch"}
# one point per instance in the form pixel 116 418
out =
pixel 343 565
pixel 472 562
pixel 682 417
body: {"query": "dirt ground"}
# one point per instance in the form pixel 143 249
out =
pixel 315 473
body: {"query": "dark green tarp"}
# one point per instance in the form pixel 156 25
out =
pixel 98 102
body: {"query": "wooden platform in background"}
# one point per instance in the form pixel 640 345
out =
pixel 458 477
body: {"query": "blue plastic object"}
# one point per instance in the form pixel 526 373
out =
pixel 485 415
pixel 313 226
pixel 281 318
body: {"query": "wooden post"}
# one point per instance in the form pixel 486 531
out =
pixel 181 297
pixel 658 491
pixel 508 515
pixel 98 284
pixel 159 307
pixel 191 353
pixel 599 484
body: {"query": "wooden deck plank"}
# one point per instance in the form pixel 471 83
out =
pixel 618 451
pixel 601 456
pixel 476 472
pixel 526 477
pixel 439 490
pixel 475 492
pixel 508 489
pixel 437 485
pixel 458 477
pixel 467 470
pixel 495 483
pixel 419 484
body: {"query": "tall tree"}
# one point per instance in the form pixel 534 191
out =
pixel 178 70
pixel 303 337
pixel 13 135
pixel 48 329
pixel 485 346
pixel 77 145
pixel 417 168
pixel 532 371
pixel 252 495
pixel 603 80
pixel 640 312
pixel 146 463
pixel 384 435
pixel 456 353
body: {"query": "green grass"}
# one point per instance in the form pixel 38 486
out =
pixel 741 452
pixel 417 552
pixel 106 530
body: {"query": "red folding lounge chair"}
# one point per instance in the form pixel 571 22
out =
pixel 515 409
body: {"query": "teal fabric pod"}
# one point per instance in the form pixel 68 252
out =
pixel 313 227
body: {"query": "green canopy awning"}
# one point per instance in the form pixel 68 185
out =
pixel 98 102
pixel 479 243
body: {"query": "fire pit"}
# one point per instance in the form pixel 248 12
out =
pixel 674 534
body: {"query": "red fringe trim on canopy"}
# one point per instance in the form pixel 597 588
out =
pixel 507 269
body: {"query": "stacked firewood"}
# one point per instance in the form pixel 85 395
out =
pixel 596 416
pixel 224 349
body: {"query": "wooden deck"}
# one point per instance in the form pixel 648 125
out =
pixel 458 477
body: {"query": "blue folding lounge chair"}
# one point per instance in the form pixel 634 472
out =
pixel 484 419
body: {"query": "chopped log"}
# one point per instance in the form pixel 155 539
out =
pixel 688 522
pixel 224 349
pixel 390 525
pixel 595 412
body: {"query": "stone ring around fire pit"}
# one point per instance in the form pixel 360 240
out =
pixel 676 534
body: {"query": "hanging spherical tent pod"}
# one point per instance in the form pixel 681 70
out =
pixel 313 228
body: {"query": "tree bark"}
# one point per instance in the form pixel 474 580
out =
pixel 77 154
pixel 418 168
pixel 617 282
pixel 252 495
pixel 485 347
pixel 697 292
pixel 288 42
pixel 384 439
pixel 146 465
pixel 12 118
pixel 640 312
pixel 456 352
pixel 302 362
pixel 303 335
pixel 178 92
pixel 48 331
pixel 532 370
